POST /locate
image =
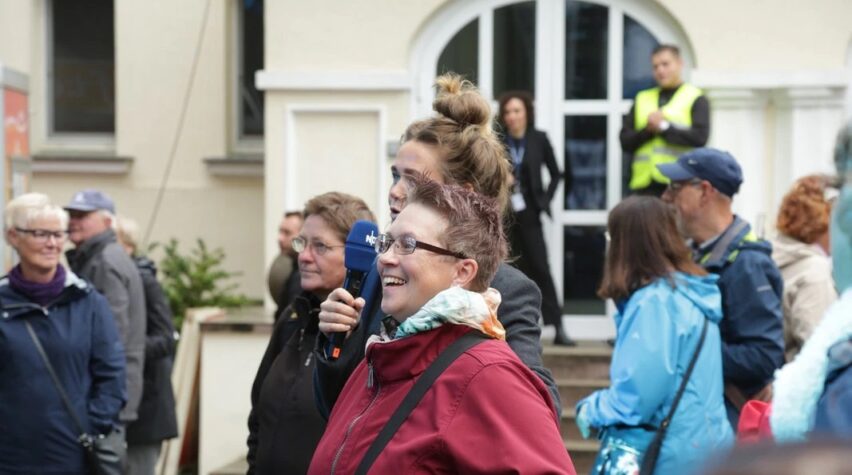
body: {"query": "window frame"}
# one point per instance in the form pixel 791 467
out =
pixel 241 143
pixel 86 141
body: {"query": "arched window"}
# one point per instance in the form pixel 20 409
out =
pixel 584 61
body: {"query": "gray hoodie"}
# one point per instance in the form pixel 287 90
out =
pixel 104 263
pixel 808 289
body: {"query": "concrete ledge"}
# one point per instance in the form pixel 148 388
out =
pixel 81 163
pixel 248 165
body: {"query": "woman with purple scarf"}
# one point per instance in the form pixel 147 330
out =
pixel 43 304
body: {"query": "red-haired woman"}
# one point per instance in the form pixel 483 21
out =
pixel 801 253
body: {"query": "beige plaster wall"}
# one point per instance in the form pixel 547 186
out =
pixel 335 35
pixel 766 35
pixel 154 45
pixel 16 18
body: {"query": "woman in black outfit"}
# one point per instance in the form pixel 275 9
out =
pixel 529 150
pixel 284 424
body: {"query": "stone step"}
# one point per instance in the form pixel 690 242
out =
pixel 583 454
pixel 572 390
pixel 588 360
pixel 567 425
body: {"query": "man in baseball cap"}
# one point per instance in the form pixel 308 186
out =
pixel 100 259
pixel 703 184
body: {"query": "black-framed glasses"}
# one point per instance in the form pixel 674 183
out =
pixel 299 244
pixel 675 186
pixel 43 235
pixel 407 244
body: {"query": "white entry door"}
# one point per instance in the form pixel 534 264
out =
pixel 583 61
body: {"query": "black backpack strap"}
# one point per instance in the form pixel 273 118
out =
pixel 424 382
pixel 84 438
pixel 653 451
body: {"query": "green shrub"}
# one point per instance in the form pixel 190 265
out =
pixel 197 280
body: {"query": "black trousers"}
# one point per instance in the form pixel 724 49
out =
pixel 530 257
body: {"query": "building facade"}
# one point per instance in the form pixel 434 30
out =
pixel 337 82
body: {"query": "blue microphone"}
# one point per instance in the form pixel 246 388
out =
pixel 358 256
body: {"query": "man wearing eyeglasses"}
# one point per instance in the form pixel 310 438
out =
pixel 100 259
pixel 703 184
pixel 664 122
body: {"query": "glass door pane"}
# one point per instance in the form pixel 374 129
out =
pixel 514 48
pixel 639 43
pixel 585 150
pixel 584 249
pixel 586 39
pixel 461 55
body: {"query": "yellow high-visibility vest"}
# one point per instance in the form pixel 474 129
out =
pixel 678 112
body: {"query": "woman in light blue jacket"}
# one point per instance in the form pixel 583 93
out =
pixel 663 299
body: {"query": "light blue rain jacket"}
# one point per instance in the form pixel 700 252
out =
pixel 657 333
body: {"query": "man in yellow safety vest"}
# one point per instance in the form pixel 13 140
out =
pixel 664 122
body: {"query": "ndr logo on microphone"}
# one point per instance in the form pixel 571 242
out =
pixel 371 238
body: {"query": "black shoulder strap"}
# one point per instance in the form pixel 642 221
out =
pixel 653 451
pixel 424 382
pixel 59 388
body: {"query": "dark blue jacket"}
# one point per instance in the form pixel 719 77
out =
pixel 80 338
pixel 752 324
pixel 834 409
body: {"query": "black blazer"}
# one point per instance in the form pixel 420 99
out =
pixel 537 153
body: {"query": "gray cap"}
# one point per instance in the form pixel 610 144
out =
pixel 91 200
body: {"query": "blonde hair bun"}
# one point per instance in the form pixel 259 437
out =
pixel 460 101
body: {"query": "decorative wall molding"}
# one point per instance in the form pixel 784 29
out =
pixel 769 79
pixel 278 80
pixel 291 158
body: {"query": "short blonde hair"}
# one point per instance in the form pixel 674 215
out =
pixel 127 231
pixel 25 209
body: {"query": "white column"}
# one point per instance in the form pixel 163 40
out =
pixel 738 125
pixel 807 120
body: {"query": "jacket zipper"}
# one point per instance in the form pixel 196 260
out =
pixel 30 306
pixel 371 382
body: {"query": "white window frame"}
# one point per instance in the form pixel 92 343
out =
pixel 551 107
pixel 78 141
pixel 240 144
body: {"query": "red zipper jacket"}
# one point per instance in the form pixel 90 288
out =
pixel 486 413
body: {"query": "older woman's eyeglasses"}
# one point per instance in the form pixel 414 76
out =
pixel 320 248
pixel 43 235
pixel 407 244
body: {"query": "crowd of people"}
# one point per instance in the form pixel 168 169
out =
pixel 87 348
pixel 720 334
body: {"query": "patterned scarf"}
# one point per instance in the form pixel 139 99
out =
pixel 456 306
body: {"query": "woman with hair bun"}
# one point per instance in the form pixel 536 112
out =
pixel 484 412
pixel 801 253
pixel 456 146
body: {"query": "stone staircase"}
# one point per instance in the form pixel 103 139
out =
pixel 578 371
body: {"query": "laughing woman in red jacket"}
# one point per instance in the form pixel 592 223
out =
pixel 487 412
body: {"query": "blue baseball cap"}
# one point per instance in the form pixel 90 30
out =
pixel 90 200
pixel 718 167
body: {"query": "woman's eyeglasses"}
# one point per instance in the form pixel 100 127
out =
pixel 407 244
pixel 320 248
pixel 43 235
